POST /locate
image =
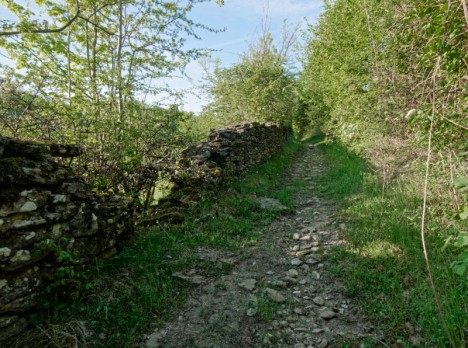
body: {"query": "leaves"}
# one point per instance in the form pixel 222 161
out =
pixel 461 183
pixel 464 212
pixel 259 87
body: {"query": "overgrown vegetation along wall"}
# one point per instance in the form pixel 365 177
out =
pixel 228 152
pixel 232 150
pixel 51 226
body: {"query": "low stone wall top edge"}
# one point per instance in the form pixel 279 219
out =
pixel 19 148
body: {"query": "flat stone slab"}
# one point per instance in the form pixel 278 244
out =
pixel 248 284
pixel 327 314
pixel 271 203
pixel 274 295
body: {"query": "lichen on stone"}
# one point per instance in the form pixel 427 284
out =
pixel 21 256
pixel 28 207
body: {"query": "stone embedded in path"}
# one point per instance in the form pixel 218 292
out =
pixel 323 344
pixel 279 283
pixel 271 203
pixel 248 284
pixel 318 300
pixel 298 311
pixel 307 246
pixel 292 273
pixel 309 230
pixel 303 252
pixel 274 295
pixel 327 314
pixel 311 261
pixel 296 236
pixel 290 280
pixel 251 312
pixel 296 262
pixel 194 279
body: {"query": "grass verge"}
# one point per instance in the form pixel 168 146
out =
pixel 136 288
pixel 384 267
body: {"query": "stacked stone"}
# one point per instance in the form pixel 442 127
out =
pixel 230 151
pixel 45 208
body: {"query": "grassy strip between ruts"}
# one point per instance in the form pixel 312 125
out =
pixel 135 288
pixel 384 267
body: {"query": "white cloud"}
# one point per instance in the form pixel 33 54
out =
pixel 277 8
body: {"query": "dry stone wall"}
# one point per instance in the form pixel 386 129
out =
pixel 45 210
pixel 228 152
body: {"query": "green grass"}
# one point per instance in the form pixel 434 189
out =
pixel 267 309
pixel 384 268
pixel 136 288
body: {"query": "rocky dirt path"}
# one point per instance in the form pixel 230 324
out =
pixel 279 293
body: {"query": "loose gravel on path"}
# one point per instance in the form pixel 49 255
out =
pixel 279 293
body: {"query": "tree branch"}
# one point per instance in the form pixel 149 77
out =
pixel 45 31
pixel 96 25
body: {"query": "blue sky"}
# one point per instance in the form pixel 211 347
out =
pixel 242 21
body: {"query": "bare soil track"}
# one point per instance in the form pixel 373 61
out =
pixel 279 292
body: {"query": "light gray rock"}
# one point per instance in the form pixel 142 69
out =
pixel 21 256
pixel 290 280
pixel 274 295
pixel 309 230
pixel 248 284
pixel 279 283
pixel 323 344
pixel 292 273
pixel 327 314
pixel 271 203
pixel 296 262
pixel 194 279
pixel 298 311
pixel 311 261
pixel 319 301
pixel 5 252
pixel 28 207
pixel 303 252
pixel 251 312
